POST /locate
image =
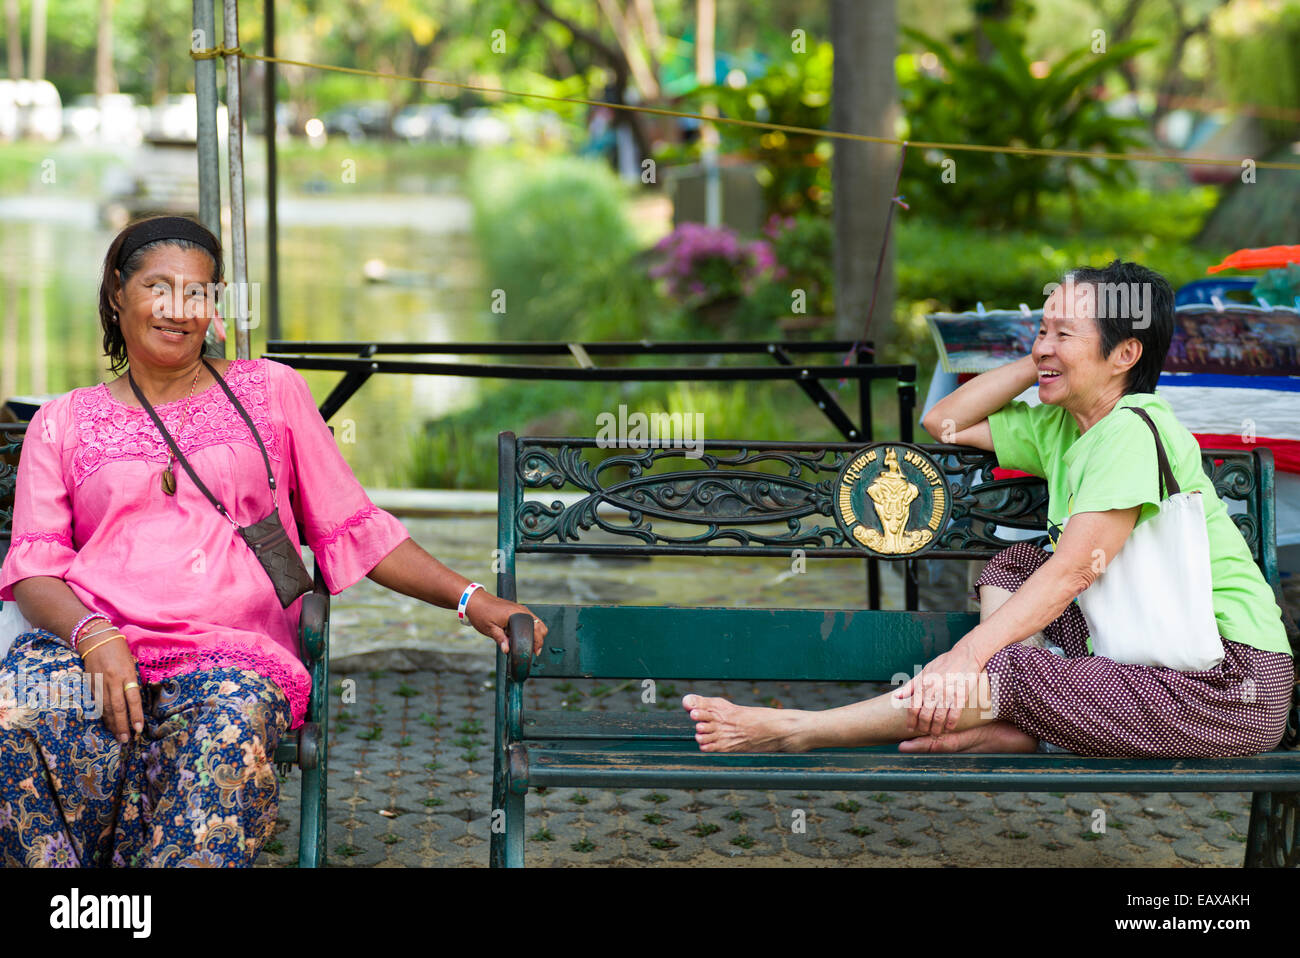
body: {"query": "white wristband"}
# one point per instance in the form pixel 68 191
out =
pixel 464 599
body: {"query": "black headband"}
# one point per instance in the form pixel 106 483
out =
pixel 167 227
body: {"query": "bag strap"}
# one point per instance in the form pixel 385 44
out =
pixel 1170 484
pixel 171 443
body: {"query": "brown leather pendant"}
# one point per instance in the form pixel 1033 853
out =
pixel 169 481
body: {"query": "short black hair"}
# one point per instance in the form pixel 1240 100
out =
pixel 1143 293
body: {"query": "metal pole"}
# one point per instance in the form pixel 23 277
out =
pixel 235 159
pixel 205 90
pixel 272 186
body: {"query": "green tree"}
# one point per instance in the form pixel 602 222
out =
pixel 999 100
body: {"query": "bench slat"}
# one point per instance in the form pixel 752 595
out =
pixel 831 645
pixel 888 770
pixel 560 724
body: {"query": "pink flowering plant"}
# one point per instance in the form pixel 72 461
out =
pixel 702 264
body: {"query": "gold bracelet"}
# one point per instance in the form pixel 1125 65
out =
pixel 101 642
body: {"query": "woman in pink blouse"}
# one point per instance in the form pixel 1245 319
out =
pixel 134 580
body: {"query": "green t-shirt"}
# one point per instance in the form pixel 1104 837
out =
pixel 1113 466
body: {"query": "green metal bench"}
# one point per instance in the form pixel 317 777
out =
pixel 307 747
pixel 768 499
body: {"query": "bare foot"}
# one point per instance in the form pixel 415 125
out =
pixel 722 726
pixel 994 737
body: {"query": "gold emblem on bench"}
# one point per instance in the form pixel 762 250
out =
pixel 892 498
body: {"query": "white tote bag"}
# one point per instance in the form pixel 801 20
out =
pixel 1153 603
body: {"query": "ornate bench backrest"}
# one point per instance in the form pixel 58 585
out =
pixel 766 498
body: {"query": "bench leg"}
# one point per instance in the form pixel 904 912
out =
pixel 515 831
pixel 496 836
pixel 1273 839
pixel 311 833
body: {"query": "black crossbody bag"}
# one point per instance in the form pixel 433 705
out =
pixel 280 557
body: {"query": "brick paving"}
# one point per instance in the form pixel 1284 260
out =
pixel 410 784
pixel 410 775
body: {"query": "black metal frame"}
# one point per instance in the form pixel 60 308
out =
pixel 362 363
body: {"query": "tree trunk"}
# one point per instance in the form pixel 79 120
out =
pixel 36 66
pixel 105 82
pixel 864 100
pixel 14 29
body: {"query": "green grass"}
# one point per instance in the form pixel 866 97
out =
pixel 583 846
pixel 939 266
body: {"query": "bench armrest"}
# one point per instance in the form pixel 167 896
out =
pixel 315 608
pixel 519 630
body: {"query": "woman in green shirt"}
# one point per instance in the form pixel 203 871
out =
pixel 1100 348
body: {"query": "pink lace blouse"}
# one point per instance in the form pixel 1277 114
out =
pixel 186 590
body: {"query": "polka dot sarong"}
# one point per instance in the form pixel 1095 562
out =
pixel 1092 705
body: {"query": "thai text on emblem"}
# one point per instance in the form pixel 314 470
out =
pixel 892 494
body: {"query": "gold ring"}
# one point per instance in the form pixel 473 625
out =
pixel 130 685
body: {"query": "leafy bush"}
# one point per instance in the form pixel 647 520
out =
pixel 956 268
pixel 704 264
pixel 460 450
pixel 1000 101
pixel 555 240
pixel 1257 60
pixel 795 167
pixel 803 247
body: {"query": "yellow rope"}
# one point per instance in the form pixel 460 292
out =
pixel 757 124
pixel 218 52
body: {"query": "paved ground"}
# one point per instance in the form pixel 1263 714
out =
pixel 411 775
pixel 411 761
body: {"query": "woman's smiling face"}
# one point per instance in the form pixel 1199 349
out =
pixel 164 308
pixel 1067 350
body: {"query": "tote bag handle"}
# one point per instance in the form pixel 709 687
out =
pixel 1169 483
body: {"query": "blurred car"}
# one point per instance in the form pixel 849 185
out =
pixel 427 123
pixel 359 120
pixel 175 119
pixel 30 108
pixel 111 119
pixel 482 127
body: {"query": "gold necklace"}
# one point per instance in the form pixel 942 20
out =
pixel 169 477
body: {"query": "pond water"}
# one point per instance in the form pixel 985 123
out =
pixel 51 254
